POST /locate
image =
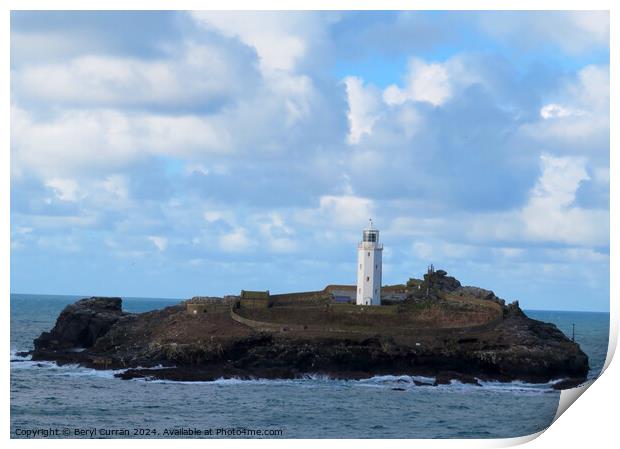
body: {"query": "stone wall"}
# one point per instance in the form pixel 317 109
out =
pixel 449 332
pixel 206 304
pixel 300 297
pixel 199 308
pixel 263 325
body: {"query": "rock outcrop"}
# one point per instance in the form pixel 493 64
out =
pixel 172 344
pixel 81 324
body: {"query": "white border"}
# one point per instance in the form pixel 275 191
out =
pixel 593 419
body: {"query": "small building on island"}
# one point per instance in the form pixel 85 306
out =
pixel 199 305
pixel 255 299
pixel 367 291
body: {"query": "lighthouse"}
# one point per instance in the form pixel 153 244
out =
pixel 369 252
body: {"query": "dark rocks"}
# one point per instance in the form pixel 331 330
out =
pixel 433 284
pixel 438 280
pixel 513 310
pixel 480 293
pixel 81 324
pixel 477 292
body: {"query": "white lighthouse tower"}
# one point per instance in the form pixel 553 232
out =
pixel 369 252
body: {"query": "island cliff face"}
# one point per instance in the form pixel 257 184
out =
pixel 172 344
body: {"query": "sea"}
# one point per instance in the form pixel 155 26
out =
pixel 50 401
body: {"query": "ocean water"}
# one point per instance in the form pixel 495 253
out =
pixel 70 401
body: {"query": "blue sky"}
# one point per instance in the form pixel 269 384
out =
pixel 172 154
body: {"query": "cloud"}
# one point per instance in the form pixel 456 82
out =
pixel 116 186
pixel 575 32
pixel 364 106
pixel 278 234
pixel 205 75
pixel 29 47
pixel 428 82
pixel 579 111
pixel 161 243
pixel 212 216
pixel 344 211
pixel 280 39
pixel 77 140
pixel 591 88
pixel 188 102
pixel 552 110
pixel 236 141
pixel 65 189
pixel 551 214
pixel 235 241
pixel 283 42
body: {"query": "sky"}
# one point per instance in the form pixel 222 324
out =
pixel 173 154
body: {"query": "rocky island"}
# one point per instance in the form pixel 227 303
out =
pixel 430 327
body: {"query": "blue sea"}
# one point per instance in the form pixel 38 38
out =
pixel 69 401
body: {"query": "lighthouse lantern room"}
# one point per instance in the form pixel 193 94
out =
pixel 369 254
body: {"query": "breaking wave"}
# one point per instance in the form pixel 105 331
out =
pixel 399 382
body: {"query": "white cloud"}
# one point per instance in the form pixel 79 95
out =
pixel 591 89
pixel 553 110
pixel 429 82
pixel 578 113
pixel 211 216
pixel 364 107
pixel 409 120
pixel 296 93
pixel 77 140
pixel 200 75
pixel 550 216
pixel 281 39
pixel 235 241
pixel 277 234
pixel 368 163
pixel 559 181
pixel 283 245
pixel 116 186
pixel 113 111
pixel 64 189
pixel 345 211
pixel 550 213
pixel 602 175
pixel 160 242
